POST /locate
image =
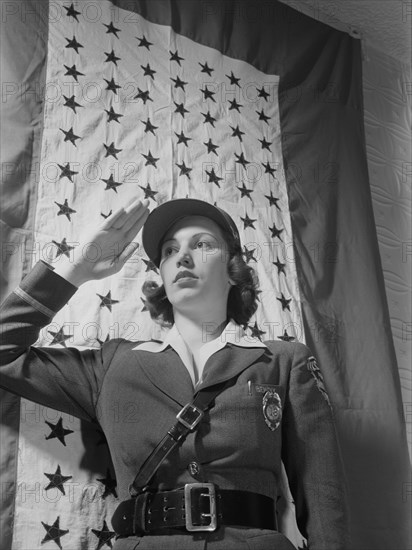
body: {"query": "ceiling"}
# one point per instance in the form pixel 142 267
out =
pixel 382 24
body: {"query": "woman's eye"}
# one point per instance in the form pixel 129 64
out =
pixel 168 251
pixel 203 244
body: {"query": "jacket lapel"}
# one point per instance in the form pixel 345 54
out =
pixel 229 362
pixel 167 372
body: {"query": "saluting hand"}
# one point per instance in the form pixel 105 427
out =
pixel 105 248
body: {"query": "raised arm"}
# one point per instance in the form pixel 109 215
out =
pixel 64 379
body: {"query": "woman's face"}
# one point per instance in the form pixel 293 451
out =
pixel 193 266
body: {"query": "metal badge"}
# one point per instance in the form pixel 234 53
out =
pixel 272 409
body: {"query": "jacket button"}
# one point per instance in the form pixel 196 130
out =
pixel 194 468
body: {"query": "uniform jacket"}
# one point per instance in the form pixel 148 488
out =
pixel 134 396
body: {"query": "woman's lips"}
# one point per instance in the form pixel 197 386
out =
pixel 184 275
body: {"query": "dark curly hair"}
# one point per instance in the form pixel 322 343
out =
pixel 242 299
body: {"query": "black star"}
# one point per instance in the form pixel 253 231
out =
pixel 265 144
pixel 111 29
pixel 175 57
pixel 241 160
pixel 113 115
pixel 269 169
pixel 249 254
pixel 111 184
pixel 184 170
pixel 182 138
pixel 150 266
pixel 71 12
pixel 180 109
pixel 111 150
pixel 284 301
pixel 65 209
pixel 71 103
pixel 73 44
pixel 256 332
pixel 59 337
pixel 275 231
pixel 234 105
pixel 213 178
pixel 149 127
pixel 150 159
pixel 245 192
pixel 66 172
pixel 57 480
pixel 57 431
pixel 209 118
pixel 272 200
pixel 280 266
pixel 208 94
pixel 106 301
pixel 149 193
pixel 285 337
pixel 179 83
pixel 248 222
pixel 111 85
pixel 148 71
pixel 72 71
pixel 109 485
pixel 262 116
pixel 263 93
pixel 206 69
pixel 70 136
pixel 105 536
pixel 143 95
pixel 63 248
pixel 143 43
pixel 105 216
pixel 237 132
pixel 53 532
pixel 211 147
pixel 233 79
pixel 111 57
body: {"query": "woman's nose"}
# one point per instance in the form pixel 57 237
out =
pixel 184 258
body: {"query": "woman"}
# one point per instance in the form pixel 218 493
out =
pixel 212 482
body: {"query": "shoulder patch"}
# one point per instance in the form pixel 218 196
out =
pixel 313 368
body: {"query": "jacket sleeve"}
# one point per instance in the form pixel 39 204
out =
pixel 311 457
pixel 64 379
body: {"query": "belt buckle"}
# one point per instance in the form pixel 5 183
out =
pixel 211 495
pixel 190 416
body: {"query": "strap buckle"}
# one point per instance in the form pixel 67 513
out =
pixel 208 491
pixel 190 416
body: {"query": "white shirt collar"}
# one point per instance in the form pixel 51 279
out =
pixel 232 334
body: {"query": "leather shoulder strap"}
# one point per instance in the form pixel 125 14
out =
pixel 188 420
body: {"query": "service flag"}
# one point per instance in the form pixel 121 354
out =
pixel 247 105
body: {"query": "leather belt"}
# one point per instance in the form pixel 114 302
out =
pixel 195 507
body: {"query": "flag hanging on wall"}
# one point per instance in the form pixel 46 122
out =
pixel 253 107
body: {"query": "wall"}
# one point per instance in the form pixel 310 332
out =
pixel 387 105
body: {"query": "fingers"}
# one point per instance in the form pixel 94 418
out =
pixel 125 217
pixel 137 225
pixel 138 212
pixel 127 251
pixel 111 220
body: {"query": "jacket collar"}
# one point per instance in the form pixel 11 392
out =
pixel 227 356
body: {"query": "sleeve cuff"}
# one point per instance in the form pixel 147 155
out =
pixel 46 288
